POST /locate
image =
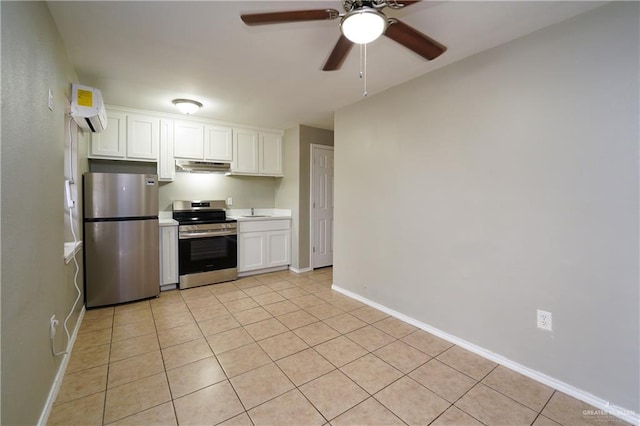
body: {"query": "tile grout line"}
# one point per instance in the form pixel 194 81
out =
pixel 104 403
pixel 173 407
pixel 545 406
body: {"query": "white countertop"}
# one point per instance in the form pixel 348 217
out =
pixel 255 218
pixel 244 215
pixel 241 215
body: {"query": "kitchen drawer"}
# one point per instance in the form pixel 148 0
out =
pixel 264 225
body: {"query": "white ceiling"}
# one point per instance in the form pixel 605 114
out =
pixel 144 54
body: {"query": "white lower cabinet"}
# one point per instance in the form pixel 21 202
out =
pixel 169 256
pixel 278 246
pixel 264 245
pixel 252 251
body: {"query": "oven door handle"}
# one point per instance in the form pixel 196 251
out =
pixel 205 234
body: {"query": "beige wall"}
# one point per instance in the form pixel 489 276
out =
pixel 246 191
pixel 308 136
pixel 287 191
pixel 35 281
pixel 501 184
pixel 293 191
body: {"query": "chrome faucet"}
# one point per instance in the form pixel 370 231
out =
pixel 251 211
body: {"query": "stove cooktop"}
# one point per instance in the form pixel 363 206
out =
pixel 200 211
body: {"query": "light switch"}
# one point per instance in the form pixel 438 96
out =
pixel 50 100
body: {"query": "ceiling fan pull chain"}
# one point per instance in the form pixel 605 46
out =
pixel 363 68
pixel 361 73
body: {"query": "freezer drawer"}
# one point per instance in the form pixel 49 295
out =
pixel 121 261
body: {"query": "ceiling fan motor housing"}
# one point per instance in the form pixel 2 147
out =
pixel 350 5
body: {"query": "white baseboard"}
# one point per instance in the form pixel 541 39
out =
pixel 262 271
pixel 300 270
pixel 622 413
pixel 168 287
pixel 57 382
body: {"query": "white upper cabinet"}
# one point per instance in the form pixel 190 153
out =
pixel 143 137
pixel 218 143
pixel 127 137
pixel 270 154
pixel 133 135
pixel 112 143
pixel 257 153
pixel 166 163
pixel 245 148
pixel 188 140
pixel 198 141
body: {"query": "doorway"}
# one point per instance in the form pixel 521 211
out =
pixel 321 206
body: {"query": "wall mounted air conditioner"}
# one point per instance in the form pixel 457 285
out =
pixel 87 108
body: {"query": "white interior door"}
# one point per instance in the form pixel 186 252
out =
pixel 321 206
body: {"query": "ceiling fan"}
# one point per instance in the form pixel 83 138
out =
pixel 361 23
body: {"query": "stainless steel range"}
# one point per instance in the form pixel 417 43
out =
pixel 207 243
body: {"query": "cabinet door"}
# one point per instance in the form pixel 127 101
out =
pixel 168 255
pixel 270 154
pixel 252 248
pixel 166 163
pixel 278 248
pixel 245 152
pixel 143 137
pixel 112 143
pixel 218 143
pixel 188 140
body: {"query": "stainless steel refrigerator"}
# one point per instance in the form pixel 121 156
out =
pixel 121 238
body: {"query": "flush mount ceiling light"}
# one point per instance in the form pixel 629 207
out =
pixel 187 106
pixel 364 25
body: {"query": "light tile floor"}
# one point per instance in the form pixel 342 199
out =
pixel 284 349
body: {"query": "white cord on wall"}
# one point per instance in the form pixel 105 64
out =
pixel 70 205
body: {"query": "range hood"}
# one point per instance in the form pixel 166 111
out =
pixel 193 166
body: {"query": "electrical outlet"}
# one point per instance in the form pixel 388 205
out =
pixel 544 320
pixel 229 201
pixel 53 323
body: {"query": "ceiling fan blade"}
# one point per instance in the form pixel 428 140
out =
pixel 414 40
pixel 338 54
pixel 289 16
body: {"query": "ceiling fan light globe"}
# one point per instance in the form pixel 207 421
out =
pixel 187 106
pixel 363 26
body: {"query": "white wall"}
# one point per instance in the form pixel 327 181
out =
pixel 503 183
